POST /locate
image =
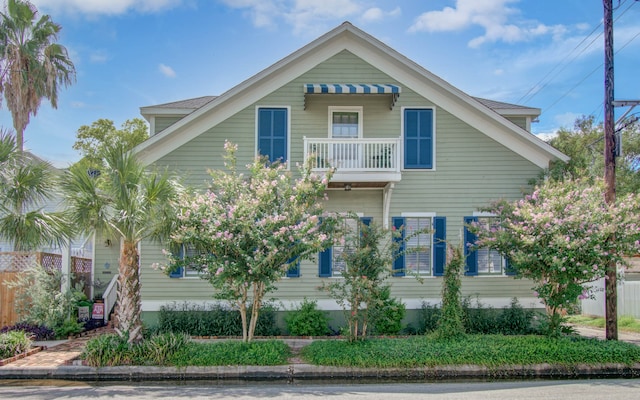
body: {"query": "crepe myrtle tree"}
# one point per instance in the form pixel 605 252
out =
pixel 250 228
pixel 559 237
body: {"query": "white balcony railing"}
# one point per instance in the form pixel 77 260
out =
pixel 354 155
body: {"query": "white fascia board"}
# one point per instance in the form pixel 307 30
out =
pixel 234 100
pixel 460 105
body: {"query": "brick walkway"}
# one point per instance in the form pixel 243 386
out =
pixel 60 354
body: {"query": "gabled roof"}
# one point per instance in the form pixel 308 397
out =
pixel 347 37
pixel 179 108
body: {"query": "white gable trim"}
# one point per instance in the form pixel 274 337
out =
pixel 389 61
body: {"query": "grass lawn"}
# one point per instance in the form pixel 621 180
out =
pixel 628 324
pixel 485 350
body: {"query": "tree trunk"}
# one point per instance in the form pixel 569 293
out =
pixel 258 292
pixel 128 306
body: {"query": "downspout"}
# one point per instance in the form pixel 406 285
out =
pixel 386 204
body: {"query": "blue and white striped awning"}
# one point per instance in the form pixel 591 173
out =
pixel 351 88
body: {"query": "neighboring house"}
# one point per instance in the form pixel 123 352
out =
pixel 410 149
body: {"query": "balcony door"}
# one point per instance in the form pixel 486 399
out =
pixel 345 125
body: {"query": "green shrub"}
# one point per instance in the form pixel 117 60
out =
pixel 479 319
pixel 307 320
pixel 428 318
pixel 387 317
pixel 159 348
pixel 108 350
pixel 13 343
pixel 485 350
pixel 231 352
pixel 212 320
pixel 515 320
pixel 68 328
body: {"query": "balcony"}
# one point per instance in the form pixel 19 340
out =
pixel 357 161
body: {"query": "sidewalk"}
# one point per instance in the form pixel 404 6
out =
pixel 60 361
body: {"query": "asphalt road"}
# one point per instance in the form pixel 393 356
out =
pixel 614 389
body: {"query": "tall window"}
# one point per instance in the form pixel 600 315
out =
pixel 424 253
pixel 186 252
pixel 483 261
pixel 489 261
pixel 418 257
pixel 331 261
pixel 273 133
pixel 418 138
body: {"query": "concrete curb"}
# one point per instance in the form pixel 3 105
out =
pixel 306 372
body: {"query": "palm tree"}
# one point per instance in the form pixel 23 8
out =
pixel 26 184
pixel 126 202
pixel 32 65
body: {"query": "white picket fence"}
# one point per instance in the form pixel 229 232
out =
pixel 628 299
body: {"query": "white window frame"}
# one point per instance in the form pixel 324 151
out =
pixel 350 109
pixel 503 261
pixel 430 215
pixel 359 215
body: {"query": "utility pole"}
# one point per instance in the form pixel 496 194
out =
pixel 611 288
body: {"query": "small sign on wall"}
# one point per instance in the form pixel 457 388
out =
pixel 98 311
pixel 83 313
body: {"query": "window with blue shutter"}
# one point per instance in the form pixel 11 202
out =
pixel 439 245
pixel 418 138
pixel 423 253
pixel 178 272
pixel 398 263
pixel 330 261
pixel 471 257
pixel 273 133
pixel 294 268
pixel 483 261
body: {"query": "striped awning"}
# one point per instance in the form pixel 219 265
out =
pixel 351 88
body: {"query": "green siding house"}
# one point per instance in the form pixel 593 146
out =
pixel 410 149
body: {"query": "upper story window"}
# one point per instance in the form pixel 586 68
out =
pixel 345 122
pixel 418 133
pixel 272 134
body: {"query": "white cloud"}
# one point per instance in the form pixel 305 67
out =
pixel 108 7
pixel 305 16
pixel 491 15
pixel 377 14
pixel 167 71
pixel 99 57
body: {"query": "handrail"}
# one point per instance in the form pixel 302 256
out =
pixel 356 155
pixel 110 296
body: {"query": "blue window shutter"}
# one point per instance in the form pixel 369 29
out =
pixel 398 263
pixel 294 268
pixel 509 269
pixel 439 245
pixel 366 220
pixel 324 263
pixel 471 256
pixel 177 273
pixel 272 133
pixel 418 138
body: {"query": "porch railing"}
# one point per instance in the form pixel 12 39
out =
pixel 354 155
pixel 109 297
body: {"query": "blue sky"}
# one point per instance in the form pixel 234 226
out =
pixel 133 53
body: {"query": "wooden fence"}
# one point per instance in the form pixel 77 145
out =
pixel 11 263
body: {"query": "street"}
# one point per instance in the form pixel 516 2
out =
pixel 615 389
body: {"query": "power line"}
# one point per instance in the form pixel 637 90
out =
pixel 536 89
pixel 590 73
